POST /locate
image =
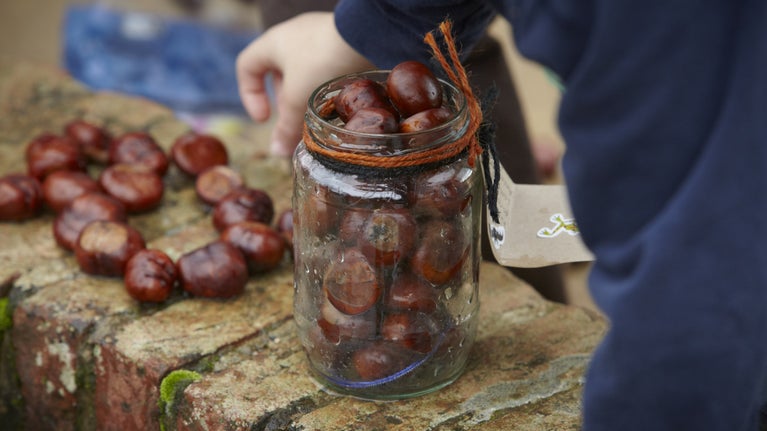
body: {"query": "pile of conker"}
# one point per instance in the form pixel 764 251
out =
pixel 91 212
pixel 409 101
pixel 387 267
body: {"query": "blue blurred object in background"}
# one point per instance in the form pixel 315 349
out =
pixel 186 65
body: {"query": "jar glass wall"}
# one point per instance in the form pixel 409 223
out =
pixel 386 258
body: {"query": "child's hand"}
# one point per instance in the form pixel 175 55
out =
pixel 301 54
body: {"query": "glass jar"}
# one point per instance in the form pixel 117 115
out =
pixel 386 258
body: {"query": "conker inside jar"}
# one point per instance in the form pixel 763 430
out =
pixel 386 256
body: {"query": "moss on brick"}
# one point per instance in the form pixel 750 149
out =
pixel 171 388
pixel 5 315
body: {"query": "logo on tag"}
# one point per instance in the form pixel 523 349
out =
pixel 561 224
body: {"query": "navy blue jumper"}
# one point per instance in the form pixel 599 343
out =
pixel 664 116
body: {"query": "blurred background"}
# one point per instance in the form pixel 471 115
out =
pixel 36 31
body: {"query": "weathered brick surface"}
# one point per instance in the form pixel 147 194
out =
pixel 268 386
pixel 50 333
pixel 528 362
pixel 55 307
pixel 83 355
pixel 56 327
pixel 131 362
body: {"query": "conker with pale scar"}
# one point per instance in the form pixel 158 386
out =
pixel 150 276
pixel 216 182
pixel 104 247
pixel 216 270
pixel 338 326
pixel 388 236
pixel 425 120
pixel 351 283
pixel 82 210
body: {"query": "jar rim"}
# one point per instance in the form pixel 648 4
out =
pixel 327 90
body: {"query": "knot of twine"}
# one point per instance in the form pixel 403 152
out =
pixel 469 141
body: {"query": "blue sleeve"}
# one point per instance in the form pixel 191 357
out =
pixel 388 32
pixel 664 118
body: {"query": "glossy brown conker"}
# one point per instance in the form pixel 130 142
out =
pixel 244 204
pixel 319 213
pixel 138 188
pixel 441 252
pixel 372 120
pixel 62 187
pixel 215 270
pixel 262 246
pixel 410 330
pixel 412 88
pixel 440 194
pixel 104 247
pixel 379 359
pixel 150 276
pixel 425 120
pixel 82 210
pixel 94 140
pixel 359 94
pixel 138 148
pixel 21 197
pixel 352 225
pixel 194 152
pixel 284 226
pixel 48 153
pixel 410 293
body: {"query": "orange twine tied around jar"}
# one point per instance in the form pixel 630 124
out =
pixel 469 141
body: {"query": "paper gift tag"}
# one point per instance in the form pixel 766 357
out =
pixel 536 226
